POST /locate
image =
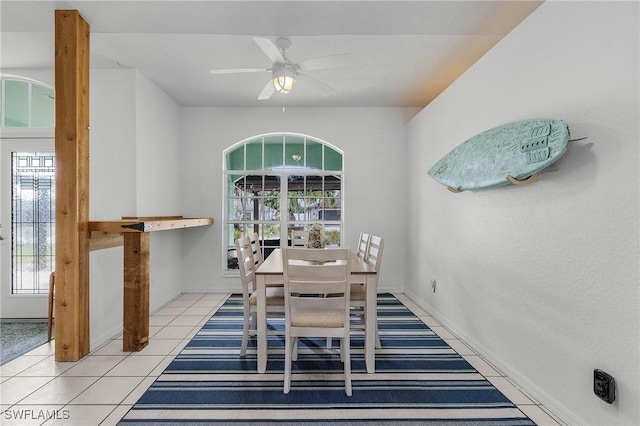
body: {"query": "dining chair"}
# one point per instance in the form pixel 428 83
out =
pixel 256 250
pixel 358 290
pixel 299 238
pixel 309 274
pixel 274 299
pixel 363 245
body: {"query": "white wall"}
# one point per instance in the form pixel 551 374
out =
pixel 542 279
pixel 134 172
pixel 373 144
pixel 112 191
pixel 158 182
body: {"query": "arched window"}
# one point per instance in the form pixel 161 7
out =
pixel 278 183
pixel 26 103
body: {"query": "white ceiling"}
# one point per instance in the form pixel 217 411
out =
pixel 402 53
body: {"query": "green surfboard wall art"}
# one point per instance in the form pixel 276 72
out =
pixel 513 153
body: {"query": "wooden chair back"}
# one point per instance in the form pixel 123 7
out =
pixel 299 238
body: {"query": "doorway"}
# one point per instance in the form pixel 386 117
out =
pixel 27 220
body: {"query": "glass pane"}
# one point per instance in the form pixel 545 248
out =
pixel 273 151
pixel 1 104
pixel 314 155
pixel 32 222
pixel 238 208
pixel 332 159
pixel 294 152
pixel 16 103
pixel 296 207
pixel 234 231
pixel 270 206
pixel 42 106
pixel 271 238
pixel 332 235
pixel 254 155
pixel 234 183
pixel 315 185
pixel 295 185
pixel 235 159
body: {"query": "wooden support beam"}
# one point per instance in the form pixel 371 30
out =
pixel 136 291
pixel 72 185
pixel 105 240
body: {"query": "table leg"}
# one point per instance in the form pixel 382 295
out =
pixel 262 323
pixel 371 320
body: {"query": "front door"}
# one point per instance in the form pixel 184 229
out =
pixel 27 220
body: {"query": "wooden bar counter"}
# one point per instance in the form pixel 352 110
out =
pixel 133 233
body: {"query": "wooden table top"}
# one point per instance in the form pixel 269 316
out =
pixel 272 265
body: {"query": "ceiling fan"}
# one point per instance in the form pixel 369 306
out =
pixel 285 72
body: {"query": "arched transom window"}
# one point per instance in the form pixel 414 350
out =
pixel 26 103
pixel 279 183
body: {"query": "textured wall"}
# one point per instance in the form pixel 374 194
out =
pixel 373 143
pixel 543 279
pixel 135 170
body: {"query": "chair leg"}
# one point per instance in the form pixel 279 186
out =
pixel 346 349
pixel 245 332
pixel 287 363
pixel 52 283
pixel 294 350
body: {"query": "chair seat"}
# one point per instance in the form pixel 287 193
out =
pixel 275 296
pixel 324 319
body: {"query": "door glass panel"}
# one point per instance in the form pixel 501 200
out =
pixel 32 221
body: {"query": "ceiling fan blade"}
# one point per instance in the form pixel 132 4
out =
pixel 270 49
pixel 238 70
pixel 267 91
pixel 317 84
pixel 324 62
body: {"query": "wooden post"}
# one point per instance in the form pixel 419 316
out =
pixel 72 185
pixel 136 291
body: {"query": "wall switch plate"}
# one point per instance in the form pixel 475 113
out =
pixel 604 386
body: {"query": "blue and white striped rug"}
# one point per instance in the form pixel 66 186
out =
pixel 419 379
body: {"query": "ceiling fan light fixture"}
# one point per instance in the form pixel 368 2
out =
pixel 284 79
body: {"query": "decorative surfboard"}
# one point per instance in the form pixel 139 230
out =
pixel 511 153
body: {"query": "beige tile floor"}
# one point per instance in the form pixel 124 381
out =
pixel 101 387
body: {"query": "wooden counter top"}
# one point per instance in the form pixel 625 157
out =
pixel 147 224
pixel 133 234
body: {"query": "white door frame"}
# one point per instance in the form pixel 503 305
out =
pixel 13 305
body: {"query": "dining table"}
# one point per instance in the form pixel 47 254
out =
pixel 270 273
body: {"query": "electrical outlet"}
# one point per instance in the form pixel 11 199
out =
pixel 604 386
pixel 433 285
